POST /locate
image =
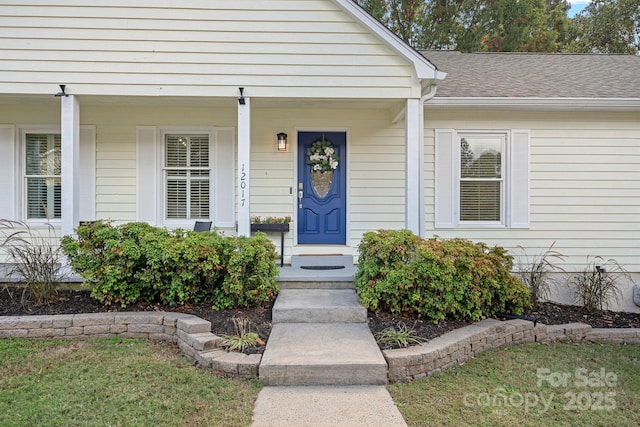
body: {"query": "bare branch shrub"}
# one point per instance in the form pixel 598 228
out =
pixel 534 271
pixel 36 257
pixel 599 283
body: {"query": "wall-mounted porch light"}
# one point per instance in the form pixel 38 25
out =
pixel 62 91
pixel 241 99
pixel 282 141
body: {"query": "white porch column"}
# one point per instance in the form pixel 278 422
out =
pixel 244 166
pixel 70 164
pixel 414 202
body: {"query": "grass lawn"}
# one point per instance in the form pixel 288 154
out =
pixel 114 382
pixel 530 385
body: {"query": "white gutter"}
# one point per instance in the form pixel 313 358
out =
pixel 433 88
pixel 429 95
pixel 613 104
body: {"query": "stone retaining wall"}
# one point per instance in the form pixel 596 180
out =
pixel 193 336
pixel 456 347
pixel 191 333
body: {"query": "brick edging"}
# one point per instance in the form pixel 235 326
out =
pixel 458 346
pixel 191 333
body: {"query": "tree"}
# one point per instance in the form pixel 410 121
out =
pixel 400 16
pixel 509 26
pixel 608 26
pixel 476 25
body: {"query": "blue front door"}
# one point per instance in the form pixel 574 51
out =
pixel 322 201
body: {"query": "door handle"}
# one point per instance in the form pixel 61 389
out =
pixel 300 196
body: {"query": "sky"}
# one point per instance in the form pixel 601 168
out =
pixel 577 6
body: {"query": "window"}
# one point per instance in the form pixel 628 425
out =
pixel 187 176
pixel 481 185
pixel 481 178
pixel 42 176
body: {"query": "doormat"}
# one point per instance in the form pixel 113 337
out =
pixel 322 267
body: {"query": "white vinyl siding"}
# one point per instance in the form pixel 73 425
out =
pixel 294 48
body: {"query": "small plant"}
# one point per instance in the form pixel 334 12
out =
pixel 243 339
pixel 398 336
pixel 271 220
pixel 534 272
pixel 36 257
pixel 598 283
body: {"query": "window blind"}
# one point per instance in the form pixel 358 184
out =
pixel 187 175
pixel 481 178
pixel 42 176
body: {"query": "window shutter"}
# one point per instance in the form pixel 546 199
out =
pixel 520 179
pixel 445 154
pixel 146 175
pixel 224 181
pixel 87 184
pixel 8 173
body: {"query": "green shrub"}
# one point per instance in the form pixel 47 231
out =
pixel 399 272
pixel 137 262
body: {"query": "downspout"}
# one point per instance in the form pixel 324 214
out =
pixel 426 97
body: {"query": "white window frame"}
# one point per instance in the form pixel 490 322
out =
pixel 504 180
pixel 516 175
pixel 184 223
pixel 22 186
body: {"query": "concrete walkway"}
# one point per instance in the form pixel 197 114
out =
pixel 369 406
pixel 322 366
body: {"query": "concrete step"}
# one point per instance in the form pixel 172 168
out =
pixel 304 354
pixel 298 278
pixel 318 306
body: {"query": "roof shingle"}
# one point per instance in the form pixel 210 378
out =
pixel 526 75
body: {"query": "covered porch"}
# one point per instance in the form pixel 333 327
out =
pixel 113 154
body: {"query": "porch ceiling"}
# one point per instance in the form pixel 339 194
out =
pixel 297 103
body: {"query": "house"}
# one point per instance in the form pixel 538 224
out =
pixel 175 111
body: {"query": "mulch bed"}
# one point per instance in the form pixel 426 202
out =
pixel 12 303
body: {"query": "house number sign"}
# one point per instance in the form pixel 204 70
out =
pixel 243 185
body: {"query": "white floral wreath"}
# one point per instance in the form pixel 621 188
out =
pixel 322 156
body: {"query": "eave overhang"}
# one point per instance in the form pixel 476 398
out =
pixel 555 104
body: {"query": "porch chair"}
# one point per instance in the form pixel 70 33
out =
pixel 202 226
